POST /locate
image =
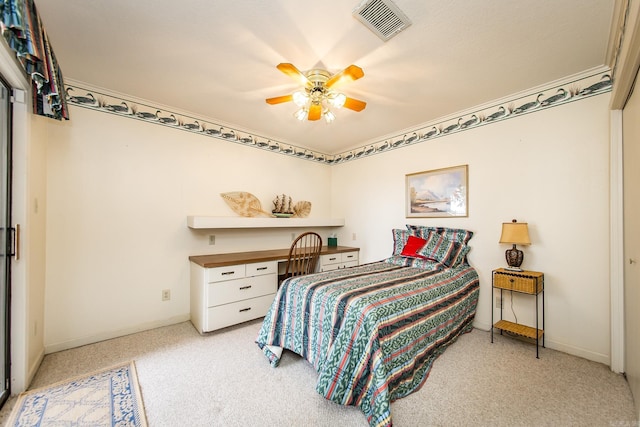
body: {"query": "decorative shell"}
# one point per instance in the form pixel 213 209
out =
pixel 244 204
pixel 301 209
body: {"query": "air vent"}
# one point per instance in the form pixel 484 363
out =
pixel 382 17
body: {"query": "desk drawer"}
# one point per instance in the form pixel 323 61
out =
pixel 230 272
pixel 330 259
pixel 237 312
pixel 339 258
pixel 259 268
pixel 329 267
pixel 241 289
pixel 330 262
pixel 348 257
pixel 350 264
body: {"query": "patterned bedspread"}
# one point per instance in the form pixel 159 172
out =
pixel 371 332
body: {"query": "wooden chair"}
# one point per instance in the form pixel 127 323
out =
pixel 303 255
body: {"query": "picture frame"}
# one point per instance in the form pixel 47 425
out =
pixel 438 193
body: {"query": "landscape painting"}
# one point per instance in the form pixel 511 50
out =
pixel 438 193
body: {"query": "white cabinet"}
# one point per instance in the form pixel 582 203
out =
pixel 335 261
pixel 231 288
pixel 225 296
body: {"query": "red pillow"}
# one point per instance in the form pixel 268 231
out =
pixel 413 245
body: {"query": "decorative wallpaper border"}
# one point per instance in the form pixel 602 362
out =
pixel 575 90
pixel 109 103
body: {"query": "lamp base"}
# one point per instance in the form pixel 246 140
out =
pixel 514 258
pixel 513 269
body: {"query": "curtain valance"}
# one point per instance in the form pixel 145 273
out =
pixel 25 34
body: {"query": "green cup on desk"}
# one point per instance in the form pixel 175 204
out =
pixel 332 242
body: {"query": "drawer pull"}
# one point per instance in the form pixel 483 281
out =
pixel 226 273
pixel 245 287
pixel 349 256
pixel 261 268
pixel 512 280
pixel 332 259
pixel 245 309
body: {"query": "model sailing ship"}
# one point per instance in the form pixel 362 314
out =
pixel 282 205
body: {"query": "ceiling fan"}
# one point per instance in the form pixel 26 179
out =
pixel 318 94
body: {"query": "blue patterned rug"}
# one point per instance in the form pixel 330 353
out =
pixel 106 398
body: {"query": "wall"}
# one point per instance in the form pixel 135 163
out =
pixel 34 238
pixel 119 191
pixel 118 195
pixel 549 169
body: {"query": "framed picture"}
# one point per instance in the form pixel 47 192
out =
pixel 438 193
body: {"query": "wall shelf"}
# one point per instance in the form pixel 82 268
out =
pixel 212 222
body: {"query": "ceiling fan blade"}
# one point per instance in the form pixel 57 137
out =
pixel 315 112
pixel 279 99
pixel 354 104
pixel 291 71
pixel 349 74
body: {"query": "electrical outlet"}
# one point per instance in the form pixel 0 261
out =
pixel 353 237
pixel 212 239
pixel 293 236
pixel 166 294
pixel 498 302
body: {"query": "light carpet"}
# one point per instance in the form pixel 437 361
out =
pixel 223 379
pixel 109 397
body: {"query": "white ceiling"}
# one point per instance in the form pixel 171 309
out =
pixel 217 59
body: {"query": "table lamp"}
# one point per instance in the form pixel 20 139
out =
pixel 516 233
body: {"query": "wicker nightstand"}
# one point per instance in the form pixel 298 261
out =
pixel 525 282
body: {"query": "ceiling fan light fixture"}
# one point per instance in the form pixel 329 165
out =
pixel 318 95
pixel 300 98
pixel 329 117
pixel 338 100
pixel 301 114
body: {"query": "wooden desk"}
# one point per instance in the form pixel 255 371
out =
pixel 232 288
pixel 221 260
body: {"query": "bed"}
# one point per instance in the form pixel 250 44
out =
pixel 372 332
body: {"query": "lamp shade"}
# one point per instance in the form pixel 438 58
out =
pixel 516 233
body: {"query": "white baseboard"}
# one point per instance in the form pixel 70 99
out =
pixel 65 345
pixel 30 373
pixel 605 359
pixel 482 326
